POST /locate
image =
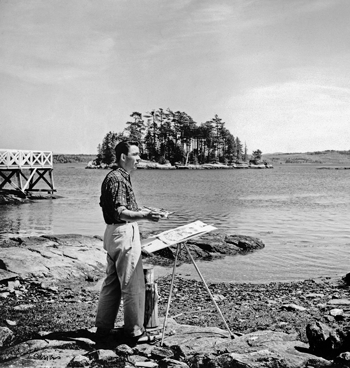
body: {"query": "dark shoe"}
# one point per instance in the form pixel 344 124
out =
pixel 145 338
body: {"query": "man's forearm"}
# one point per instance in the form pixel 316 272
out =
pixel 131 216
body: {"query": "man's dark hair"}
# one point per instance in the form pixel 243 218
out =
pixel 123 147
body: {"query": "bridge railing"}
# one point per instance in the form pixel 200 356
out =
pixel 11 159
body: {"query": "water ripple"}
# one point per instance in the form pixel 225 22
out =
pixel 300 213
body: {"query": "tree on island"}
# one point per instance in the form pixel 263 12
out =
pixel 256 157
pixel 136 128
pixel 168 136
pixel 105 151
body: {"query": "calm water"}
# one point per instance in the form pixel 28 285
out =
pixel 301 213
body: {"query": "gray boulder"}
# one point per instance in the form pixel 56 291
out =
pixel 192 346
pixel 61 257
pixel 56 257
pixel 347 278
pixel 327 342
pixel 211 347
pixel 215 244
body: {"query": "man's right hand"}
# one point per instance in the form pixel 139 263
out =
pixel 153 216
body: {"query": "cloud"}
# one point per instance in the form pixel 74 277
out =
pixel 293 116
pixel 267 67
pixel 316 5
pixel 41 47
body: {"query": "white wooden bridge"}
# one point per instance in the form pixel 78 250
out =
pixel 24 170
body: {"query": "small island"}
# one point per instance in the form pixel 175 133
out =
pixel 174 140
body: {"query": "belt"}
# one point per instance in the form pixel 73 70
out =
pixel 119 223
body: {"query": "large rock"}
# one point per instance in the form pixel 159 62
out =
pixel 215 244
pixel 199 347
pixel 6 275
pixel 347 278
pixel 212 347
pixel 57 257
pixel 64 256
pixel 327 342
pixel 39 354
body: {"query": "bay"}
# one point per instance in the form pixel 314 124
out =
pixel 301 213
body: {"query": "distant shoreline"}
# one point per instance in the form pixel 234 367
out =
pixel 328 157
pixel 72 158
pixel 147 165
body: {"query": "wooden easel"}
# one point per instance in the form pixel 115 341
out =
pixel 178 249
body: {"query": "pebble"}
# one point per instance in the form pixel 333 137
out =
pixel 218 297
pixel 314 295
pixel 79 361
pixel 105 355
pixel 124 350
pixel 45 286
pixel 336 312
pixel 11 323
pixel 146 364
pixel 339 302
pixel 161 353
pixel 137 360
pixel 13 285
pixel 294 307
pixel 24 307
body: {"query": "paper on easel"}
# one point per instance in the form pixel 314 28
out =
pixel 175 236
pixel 181 233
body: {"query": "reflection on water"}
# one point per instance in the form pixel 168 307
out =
pixel 300 213
pixel 26 219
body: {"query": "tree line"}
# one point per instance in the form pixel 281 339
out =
pixel 166 136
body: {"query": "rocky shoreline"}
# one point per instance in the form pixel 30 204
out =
pixel 49 287
pixel 156 166
pixel 15 198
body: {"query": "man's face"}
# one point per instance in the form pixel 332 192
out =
pixel 132 159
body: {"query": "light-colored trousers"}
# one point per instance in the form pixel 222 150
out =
pixel 124 279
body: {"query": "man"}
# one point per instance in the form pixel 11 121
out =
pixel 122 242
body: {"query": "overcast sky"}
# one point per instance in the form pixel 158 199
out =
pixel 276 71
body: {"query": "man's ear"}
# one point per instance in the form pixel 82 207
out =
pixel 123 156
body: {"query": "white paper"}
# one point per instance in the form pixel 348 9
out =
pixel 175 236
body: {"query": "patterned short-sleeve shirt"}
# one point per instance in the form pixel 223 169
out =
pixel 116 195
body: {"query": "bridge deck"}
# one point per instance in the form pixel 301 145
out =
pixel 12 159
pixel 14 163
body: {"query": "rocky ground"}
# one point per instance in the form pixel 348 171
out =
pixel 30 307
pixel 33 309
pixel 49 323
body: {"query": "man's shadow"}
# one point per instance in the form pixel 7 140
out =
pixel 81 339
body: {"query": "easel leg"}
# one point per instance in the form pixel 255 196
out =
pixel 209 292
pixel 170 292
